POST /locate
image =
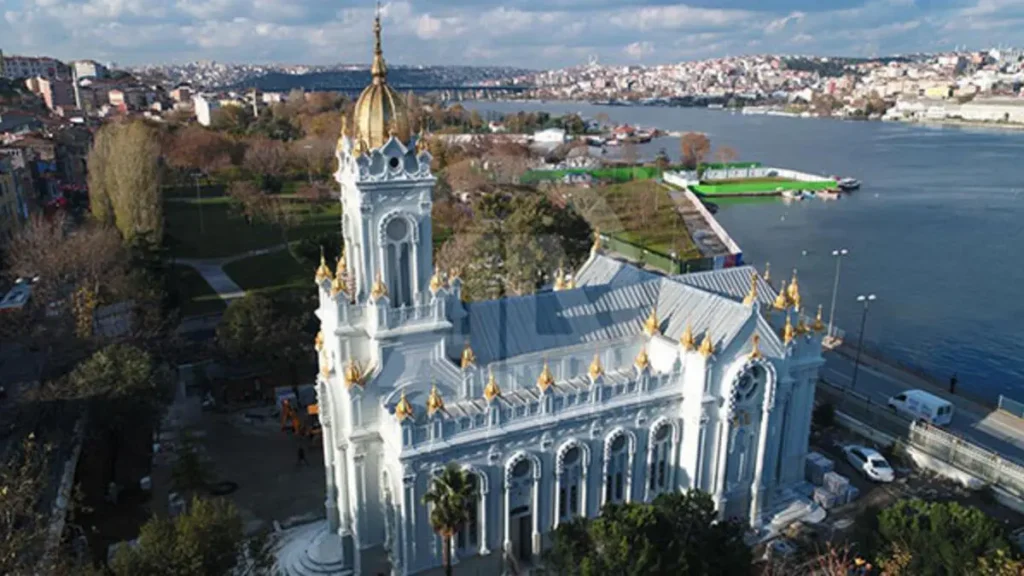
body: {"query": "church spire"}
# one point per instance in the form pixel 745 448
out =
pixel 379 70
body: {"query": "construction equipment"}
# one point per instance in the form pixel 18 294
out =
pixel 300 424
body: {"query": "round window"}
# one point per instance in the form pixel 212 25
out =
pixel 619 443
pixel 749 382
pixel 571 456
pixel 521 469
pixel 393 162
pixel 397 229
pixel 662 433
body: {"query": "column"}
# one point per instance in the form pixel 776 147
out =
pixel 331 499
pixel 647 470
pixel 757 488
pixel 342 484
pixel 482 518
pixel 583 482
pixel 536 509
pixel 408 521
pixel 558 496
pixel 721 463
pixel 507 544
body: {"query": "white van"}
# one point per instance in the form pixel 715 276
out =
pixel 921 405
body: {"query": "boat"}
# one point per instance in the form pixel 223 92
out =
pixel 830 194
pixel 848 184
pixel 792 194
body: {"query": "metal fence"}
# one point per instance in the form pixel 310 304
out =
pixel 937 443
pixel 1011 406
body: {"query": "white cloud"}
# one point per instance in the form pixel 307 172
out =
pixel 638 50
pixel 779 24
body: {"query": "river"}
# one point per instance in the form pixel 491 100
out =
pixel 934 232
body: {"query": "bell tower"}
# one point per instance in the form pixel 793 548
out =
pixel 386 195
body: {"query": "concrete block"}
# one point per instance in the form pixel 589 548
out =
pixel 824 498
pixel 835 483
pixel 816 466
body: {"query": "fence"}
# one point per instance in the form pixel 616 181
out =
pixel 1011 406
pixel 949 448
pixel 666 262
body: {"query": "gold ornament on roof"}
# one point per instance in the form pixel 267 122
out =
pixel 596 370
pixel 403 409
pixel 546 378
pixel 380 112
pixel 379 289
pixel 687 340
pixel 318 341
pixel 436 282
pixel 434 401
pixel 801 326
pixel 652 326
pixel 642 361
pixel 342 266
pixel 755 349
pixel 421 143
pixel 781 300
pixel 707 348
pixel 491 390
pixel 596 247
pixel 468 358
pixel 338 285
pixel 322 271
pixel 819 325
pixel 752 294
pixel 787 331
pixel 570 283
pixel 793 292
pixel 768 272
pixel 353 373
pixel 559 278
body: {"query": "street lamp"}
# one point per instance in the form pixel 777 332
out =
pixel 860 340
pixel 199 202
pixel 838 254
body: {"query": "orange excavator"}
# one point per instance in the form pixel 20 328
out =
pixel 300 425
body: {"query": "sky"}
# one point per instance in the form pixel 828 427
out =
pixel 536 34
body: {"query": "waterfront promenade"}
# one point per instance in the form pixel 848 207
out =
pixel 878 380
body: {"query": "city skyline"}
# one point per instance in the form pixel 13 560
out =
pixel 553 34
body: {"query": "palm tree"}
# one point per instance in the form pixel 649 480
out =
pixel 451 494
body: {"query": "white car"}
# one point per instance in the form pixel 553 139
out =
pixel 870 463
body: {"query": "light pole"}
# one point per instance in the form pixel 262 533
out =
pixel 838 254
pixel 860 340
pixel 309 163
pixel 199 202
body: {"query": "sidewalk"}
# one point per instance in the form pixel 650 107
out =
pixel 212 270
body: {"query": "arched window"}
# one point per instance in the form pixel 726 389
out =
pixel 615 480
pixel 658 475
pixel 398 255
pixel 469 537
pixel 570 487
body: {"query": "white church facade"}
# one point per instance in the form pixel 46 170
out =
pixel 617 386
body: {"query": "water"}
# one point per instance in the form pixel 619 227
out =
pixel 934 232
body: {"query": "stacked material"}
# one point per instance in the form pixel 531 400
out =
pixel 815 468
pixel 825 499
pixel 838 485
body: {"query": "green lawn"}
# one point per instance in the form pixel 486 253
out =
pixel 641 212
pixel 269 272
pixel 226 233
pixel 196 296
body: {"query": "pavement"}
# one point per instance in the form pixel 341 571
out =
pixel 212 270
pixel 982 425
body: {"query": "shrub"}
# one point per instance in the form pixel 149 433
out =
pixel 824 416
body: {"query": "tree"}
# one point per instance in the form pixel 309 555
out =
pixel 195 148
pixel 695 148
pixel 232 119
pixel 124 179
pixel 23 526
pixel 207 539
pixel 265 157
pixel 258 329
pixel 676 534
pixel 940 537
pixel 255 204
pixel 449 499
pixel 725 154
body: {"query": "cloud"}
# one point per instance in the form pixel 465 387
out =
pixel 530 33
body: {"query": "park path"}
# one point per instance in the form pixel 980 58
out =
pixel 212 270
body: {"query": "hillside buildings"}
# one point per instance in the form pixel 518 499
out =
pixel 616 386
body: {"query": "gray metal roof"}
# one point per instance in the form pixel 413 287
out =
pixel 733 283
pixel 601 269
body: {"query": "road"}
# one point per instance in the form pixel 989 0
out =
pixel 984 426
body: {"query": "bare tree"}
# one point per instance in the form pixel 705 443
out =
pixel 265 156
pixel 314 154
pixel 197 148
pixel 695 148
pixel 725 154
pixel 23 526
pixel 629 153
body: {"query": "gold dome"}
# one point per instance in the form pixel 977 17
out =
pixel 380 111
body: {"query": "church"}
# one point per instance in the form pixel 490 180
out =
pixel 617 385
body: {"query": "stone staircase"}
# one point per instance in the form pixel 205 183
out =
pixel 312 550
pixel 789 505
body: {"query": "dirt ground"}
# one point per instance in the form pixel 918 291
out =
pixel 263 461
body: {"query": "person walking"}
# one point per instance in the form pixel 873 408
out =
pixel 301 457
pixel 952 384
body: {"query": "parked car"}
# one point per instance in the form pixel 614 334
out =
pixel 921 405
pixel 870 463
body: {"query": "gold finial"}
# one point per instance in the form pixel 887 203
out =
pixel 559 278
pixel 342 266
pixel 793 292
pixel 596 370
pixel 642 361
pixel 596 247
pixel 546 378
pixel 801 326
pixel 491 390
pixel 787 331
pixel 818 325
pixel 752 295
pixel 318 342
pixel 322 272
pixel 434 401
pixel 436 283
pixel 768 272
pixel 379 70
pixel 353 373
pixel 421 140
pixel 707 348
pixel 468 358
pixel 403 409
pixel 687 340
pixel 755 349
pixel 652 326
pixel 344 126
pixel 570 283
pixel 338 285
pixel 781 301
pixel 379 289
